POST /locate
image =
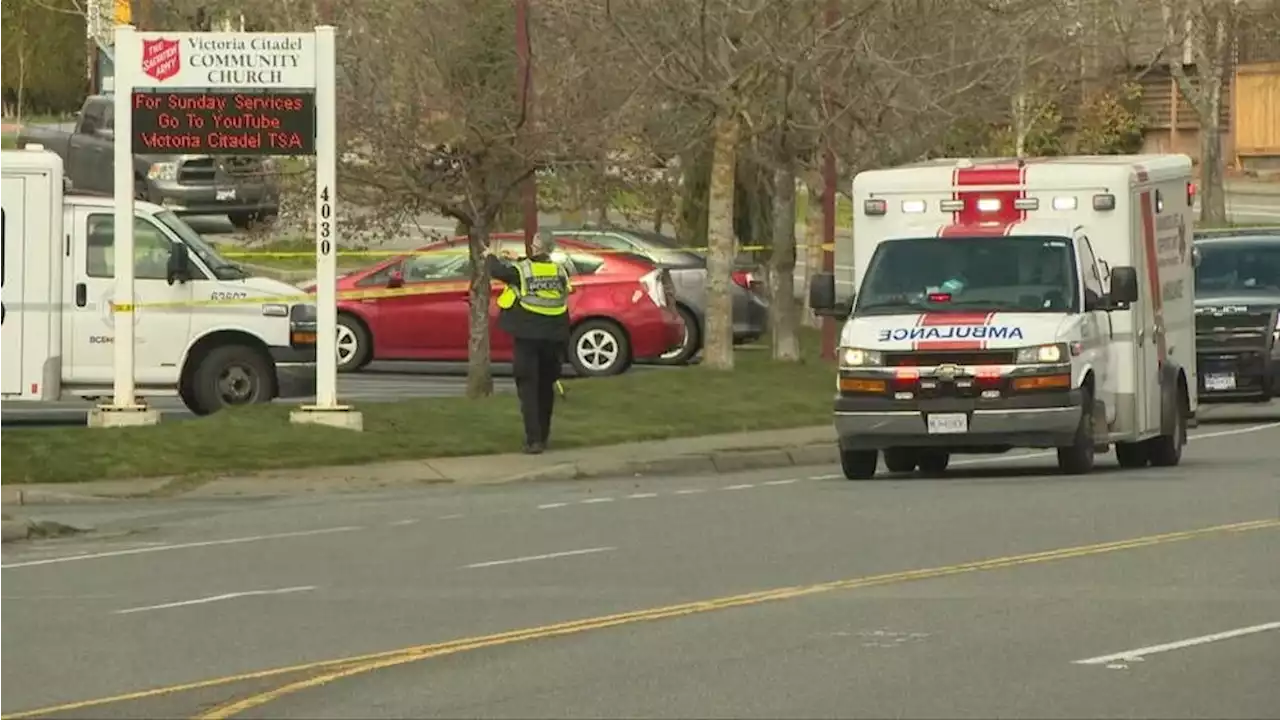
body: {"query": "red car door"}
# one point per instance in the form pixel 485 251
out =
pixel 430 322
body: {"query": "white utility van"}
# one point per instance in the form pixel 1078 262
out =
pixel 1005 303
pixel 58 287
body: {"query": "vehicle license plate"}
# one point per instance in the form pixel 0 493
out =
pixel 944 423
pixel 1224 381
pixel 226 193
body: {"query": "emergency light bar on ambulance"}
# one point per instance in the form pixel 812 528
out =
pixel 1101 202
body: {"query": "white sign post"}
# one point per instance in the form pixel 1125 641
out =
pixel 125 409
pixel 168 65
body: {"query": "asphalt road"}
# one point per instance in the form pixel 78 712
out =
pixel 1003 590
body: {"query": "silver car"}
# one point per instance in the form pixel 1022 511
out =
pixel 688 270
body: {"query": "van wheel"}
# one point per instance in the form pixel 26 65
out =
pixel 859 464
pixel 599 348
pixel 354 345
pixel 1078 457
pixel 1166 450
pixel 900 460
pixel 692 340
pixel 1132 455
pixel 231 375
pixel 934 462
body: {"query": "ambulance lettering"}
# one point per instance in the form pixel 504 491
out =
pixel 952 332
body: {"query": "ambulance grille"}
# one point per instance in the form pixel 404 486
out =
pixel 949 357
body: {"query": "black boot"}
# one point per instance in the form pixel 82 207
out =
pixel 533 448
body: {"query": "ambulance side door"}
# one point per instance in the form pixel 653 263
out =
pixel 1095 328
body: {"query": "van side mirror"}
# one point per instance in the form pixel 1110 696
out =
pixel 179 268
pixel 1124 285
pixel 395 279
pixel 822 297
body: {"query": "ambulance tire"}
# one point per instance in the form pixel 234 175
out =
pixel 900 460
pixel 1166 450
pixel 1078 457
pixel 933 463
pixel 859 464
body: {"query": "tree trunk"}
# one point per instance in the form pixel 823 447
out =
pixel 783 315
pixel 717 351
pixel 1213 200
pixel 691 225
pixel 812 243
pixel 479 372
pixel 1213 196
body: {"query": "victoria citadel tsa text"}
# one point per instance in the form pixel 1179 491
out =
pixel 211 122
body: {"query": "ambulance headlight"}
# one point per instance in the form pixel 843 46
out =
pixel 857 357
pixel 1042 354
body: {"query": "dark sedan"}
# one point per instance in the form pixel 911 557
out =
pixel 688 270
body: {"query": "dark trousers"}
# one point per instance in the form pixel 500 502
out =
pixel 536 364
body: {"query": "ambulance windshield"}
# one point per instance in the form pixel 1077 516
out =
pixel 1004 274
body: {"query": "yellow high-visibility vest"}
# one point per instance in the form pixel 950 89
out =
pixel 543 289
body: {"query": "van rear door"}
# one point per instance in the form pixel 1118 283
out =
pixel 12 238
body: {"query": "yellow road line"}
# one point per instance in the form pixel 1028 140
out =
pixel 332 670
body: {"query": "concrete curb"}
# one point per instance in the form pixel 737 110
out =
pixel 726 461
pixel 15 530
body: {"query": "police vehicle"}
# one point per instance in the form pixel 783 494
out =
pixel 1015 303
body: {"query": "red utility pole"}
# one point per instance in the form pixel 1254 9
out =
pixel 829 180
pixel 524 85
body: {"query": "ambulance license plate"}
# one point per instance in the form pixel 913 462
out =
pixel 948 423
pixel 1221 381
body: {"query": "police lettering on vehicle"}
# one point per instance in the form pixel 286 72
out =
pixel 955 332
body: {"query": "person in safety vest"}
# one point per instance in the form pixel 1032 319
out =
pixel 535 313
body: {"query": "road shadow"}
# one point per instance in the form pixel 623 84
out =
pixel 1033 469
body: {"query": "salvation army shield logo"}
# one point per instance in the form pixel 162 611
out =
pixel 161 58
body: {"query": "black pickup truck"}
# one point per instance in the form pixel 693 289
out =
pixel 243 188
pixel 1238 315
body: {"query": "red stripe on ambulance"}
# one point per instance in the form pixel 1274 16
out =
pixel 1006 183
pixel 1153 268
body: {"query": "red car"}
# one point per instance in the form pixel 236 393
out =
pixel 621 309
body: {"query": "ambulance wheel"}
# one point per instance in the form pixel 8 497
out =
pixel 1166 450
pixel 859 464
pixel 1078 457
pixel 230 375
pixel 934 462
pixel 900 460
pixel 1132 455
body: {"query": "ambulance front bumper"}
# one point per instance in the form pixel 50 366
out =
pixel 1039 420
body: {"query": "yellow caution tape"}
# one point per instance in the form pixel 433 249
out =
pixel 464 250
pixel 433 289
pixel 428 288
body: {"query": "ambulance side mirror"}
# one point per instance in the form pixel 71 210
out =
pixel 822 297
pixel 179 265
pixel 1124 286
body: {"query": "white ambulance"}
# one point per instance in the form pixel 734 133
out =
pixel 1016 303
pixel 58 286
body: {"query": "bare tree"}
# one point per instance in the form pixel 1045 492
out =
pixel 432 120
pixel 1206 30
